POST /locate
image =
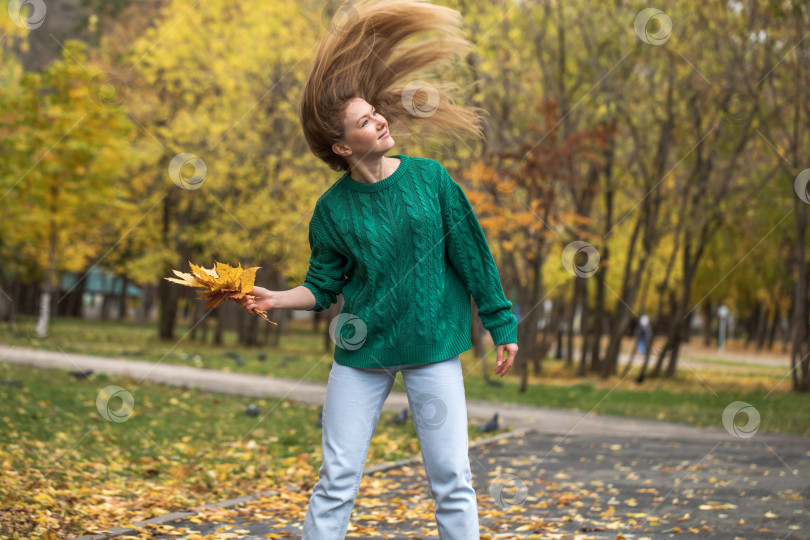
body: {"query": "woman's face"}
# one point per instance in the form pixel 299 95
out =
pixel 365 131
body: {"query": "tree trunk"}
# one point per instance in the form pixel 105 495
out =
pixel 751 324
pixel 11 316
pixel 48 288
pixel 122 299
pixel 680 324
pixel 628 294
pixel 570 314
pixel 601 273
pixel 250 336
pixel 799 356
pixel 677 316
pixel 762 328
pixel 70 303
pixel 647 355
pixel 44 312
pixel 283 323
pixel 527 329
pixel 599 313
pixel 220 327
pixel 152 301
pixel 105 306
pixel 169 297
pixel 551 328
pixel 777 316
pixel 241 326
pixel 583 326
pixel 196 324
pixel 168 294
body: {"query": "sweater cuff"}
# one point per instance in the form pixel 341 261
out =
pixel 320 298
pixel 504 334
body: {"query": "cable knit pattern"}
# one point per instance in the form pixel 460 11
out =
pixel 384 254
pixel 421 316
pixel 406 252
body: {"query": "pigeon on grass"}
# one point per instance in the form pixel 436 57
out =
pixel 401 417
pixel 491 425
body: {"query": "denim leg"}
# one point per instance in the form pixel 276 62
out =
pixel 439 411
pixel 354 400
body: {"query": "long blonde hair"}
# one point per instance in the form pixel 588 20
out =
pixel 363 55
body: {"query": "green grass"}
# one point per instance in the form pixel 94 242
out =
pixel 732 363
pixel 140 342
pixel 50 406
pixel 695 396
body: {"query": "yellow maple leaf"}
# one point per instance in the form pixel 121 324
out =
pixel 220 282
pixel 228 276
pixel 247 279
pixel 187 279
pixel 205 277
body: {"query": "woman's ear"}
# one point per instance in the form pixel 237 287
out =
pixel 341 149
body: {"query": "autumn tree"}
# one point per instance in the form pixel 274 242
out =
pixel 64 180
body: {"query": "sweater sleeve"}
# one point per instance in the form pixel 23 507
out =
pixel 469 254
pixel 325 276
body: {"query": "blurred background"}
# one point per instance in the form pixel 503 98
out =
pixel 638 163
pixel 643 187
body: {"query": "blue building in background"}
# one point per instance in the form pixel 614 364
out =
pixel 97 288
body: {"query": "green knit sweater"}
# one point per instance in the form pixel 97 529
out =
pixel 406 252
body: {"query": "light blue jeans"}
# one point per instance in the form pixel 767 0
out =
pixel 354 399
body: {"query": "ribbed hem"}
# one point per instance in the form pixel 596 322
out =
pixel 504 334
pixel 366 357
pixel 386 182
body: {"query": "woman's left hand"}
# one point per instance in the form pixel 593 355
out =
pixel 503 364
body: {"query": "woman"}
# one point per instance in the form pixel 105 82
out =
pixel 398 238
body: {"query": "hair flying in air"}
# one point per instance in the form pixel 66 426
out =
pixel 373 53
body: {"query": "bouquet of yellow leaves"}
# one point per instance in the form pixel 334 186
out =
pixel 220 282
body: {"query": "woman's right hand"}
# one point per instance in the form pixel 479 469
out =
pixel 258 299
